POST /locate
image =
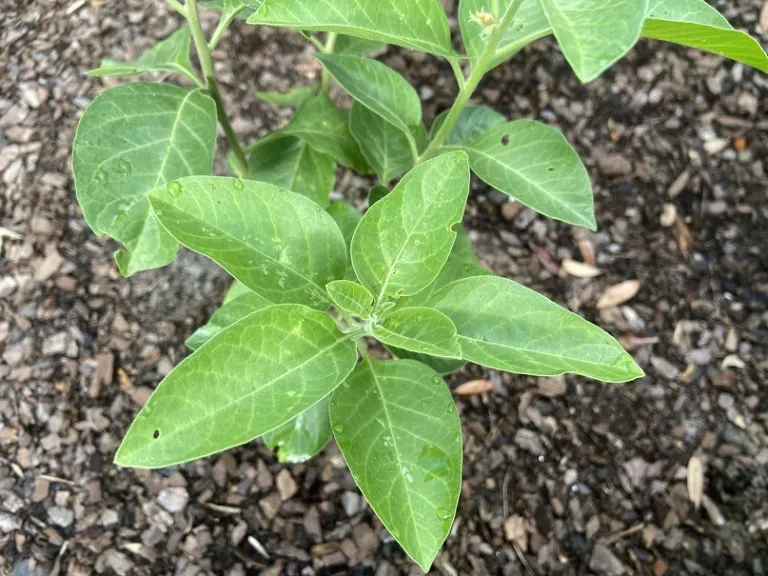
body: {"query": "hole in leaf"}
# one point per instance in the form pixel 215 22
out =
pixel 156 434
pixel 505 140
pixel 550 169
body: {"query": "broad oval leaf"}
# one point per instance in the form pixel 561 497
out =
pixel 404 240
pixel 169 55
pixel 473 122
pixel 305 436
pixel 506 326
pixel 420 330
pixel 293 164
pixel 398 429
pixel 534 163
pixel 293 98
pixel 231 311
pixel 279 244
pixel 131 139
pixel 351 297
pixel 377 87
pixel 594 35
pixel 696 24
pixel 415 24
pixel 325 127
pixel 385 147
pixel 247 380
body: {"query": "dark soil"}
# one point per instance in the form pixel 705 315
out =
pixel 580 478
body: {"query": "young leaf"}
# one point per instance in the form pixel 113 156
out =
pixel 377 87
pixel 228 7
pixel 534 163
pixel 305 436
pixel 404 240
pixel 249 379
pixel 346 44
pixel 231 311
pixel 293 98
pixel 377 193
pixel 415 24
pixel 131 139
pixel 594 35
pixel 696 24
pixel 385 147
pixel 530 24
pixel 170 55
pixel 347 217
pixel 420 330
pixel 532 336
pixel 473 122
pixel 294 165
pixel 442 366
pixel 326 128
pixel 351 297
pixel 279 244
pixel 399 431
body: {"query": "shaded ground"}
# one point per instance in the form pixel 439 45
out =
pixel 586 478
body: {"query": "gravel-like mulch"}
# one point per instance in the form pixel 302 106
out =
pixel 563 476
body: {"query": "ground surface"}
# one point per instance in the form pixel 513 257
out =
pixel 586 478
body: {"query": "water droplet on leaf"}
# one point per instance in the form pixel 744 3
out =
pixel 174 189
pixel 443 513
pixel 338 428
pixel 102 177
pixel 238 184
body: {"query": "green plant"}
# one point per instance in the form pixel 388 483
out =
pixel 281 358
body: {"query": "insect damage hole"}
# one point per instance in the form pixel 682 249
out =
pixel 505 140
pixel 156 434
pixel 551 169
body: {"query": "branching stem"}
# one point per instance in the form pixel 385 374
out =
pixel 330 44
pixel 206 64
pixel 480 68
pixel 177 6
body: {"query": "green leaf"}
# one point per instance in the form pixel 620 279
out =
pixel 506 326
pixel 279 244
pixel 293 98
pixel 404 240
pixel 696 24
pixel 131 139
pixel 347 217
pixel 356 46
pixel 305 436
pixel 462 263
pixel 326 128
pixel 415 24
pixel 170 55
pixel 385 147
pixel 249 379
pixel 351 297
pixel 377 193
pixel 534 163
pixel 377 87
pixel 232 310
pixel 236 290
pixel 473 122
pixel 594 35
pixel 530 24
pixel 420 330
pixel 399 431
pixel 293 164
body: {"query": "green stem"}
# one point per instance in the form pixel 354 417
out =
pixel 458 72
pixel 206 64
pixel 330 44
pixel 221 27
pixel 177 6
pixel 479 70
pixel 319 45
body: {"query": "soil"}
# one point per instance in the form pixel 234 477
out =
pixel 561 476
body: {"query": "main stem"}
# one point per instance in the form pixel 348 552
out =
pixel 206 64
pixel 479 70
pixel 330 44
